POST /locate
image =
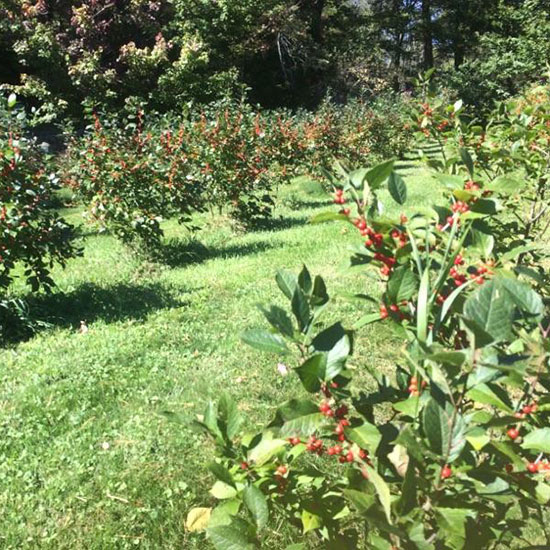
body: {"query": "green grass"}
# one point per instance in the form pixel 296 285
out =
pixel 87 459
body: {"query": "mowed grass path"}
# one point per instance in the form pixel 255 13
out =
pixel 87 459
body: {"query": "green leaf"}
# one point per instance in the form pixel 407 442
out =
pixel 455 358
pixel 366 436
pixel 335 342
pixel 444 429
pixel 483 206
pixel 483 242
pixel 483 393
pixel 506 184
pixel 402 285
pixel 542 491
pixel 299 418
pixel 481 337
pixel 319 295
pixel 377 175
pixel 304 280
pixel 508 449
pixel 310 521
pixel 537 440
pixel 361 500
pixel 357 177
pixel 300 308
pixel 230 537
pixel 264 341
pixel 452 522
pixel 382 490
pixel 515 252
pixel 407 501
pixel 266 449
pixel 366 320
pixel 211 420
pixel 279 319
pixel 229 417
pixel 222 473
pixel 409 406
pixel 478 438
pixel 449 181
pixel 222 491
pixel 312 372
pixel 287 282
pixel 257 504
pixel 397 188
pixel 523 296
pixel 491 308
pixel 467 160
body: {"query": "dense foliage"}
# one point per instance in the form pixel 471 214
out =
pixel 32 235
pixel 453 450
pixel 226 158
pixel 58 54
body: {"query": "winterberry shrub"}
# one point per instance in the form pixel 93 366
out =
pixel 507 153
pixel 32 234
pixel 132 176
pixel 452 449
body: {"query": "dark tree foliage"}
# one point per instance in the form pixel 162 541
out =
pixel 59 54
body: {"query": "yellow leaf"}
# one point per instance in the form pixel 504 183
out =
pixel 197 519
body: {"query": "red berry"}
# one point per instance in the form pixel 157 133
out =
pixel 532 467
pixel 282 470
pixel 446 472
pixel 513 433
pixel 244 465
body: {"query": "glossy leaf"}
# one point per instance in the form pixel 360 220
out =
pixel 377 175
pixel 257 505
pixel 444 429
pixel 264 340
pixel 397 188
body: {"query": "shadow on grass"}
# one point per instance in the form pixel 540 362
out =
pixel 91 302
pixel 179 253
pixel 405 166
pixel 280 224
pixel 312 203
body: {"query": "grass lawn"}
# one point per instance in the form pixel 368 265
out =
pixel 87 459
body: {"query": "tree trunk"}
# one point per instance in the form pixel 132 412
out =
pixel 427 36
pixel 459 46
pixel 317 20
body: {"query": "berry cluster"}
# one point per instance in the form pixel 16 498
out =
pixel 471 185
pixel 526 410
pixel 414 389
pixel 460 207
pixel 339 197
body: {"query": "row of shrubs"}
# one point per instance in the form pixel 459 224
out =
pixel 227 158
pixel 452 449
pixel 132 173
